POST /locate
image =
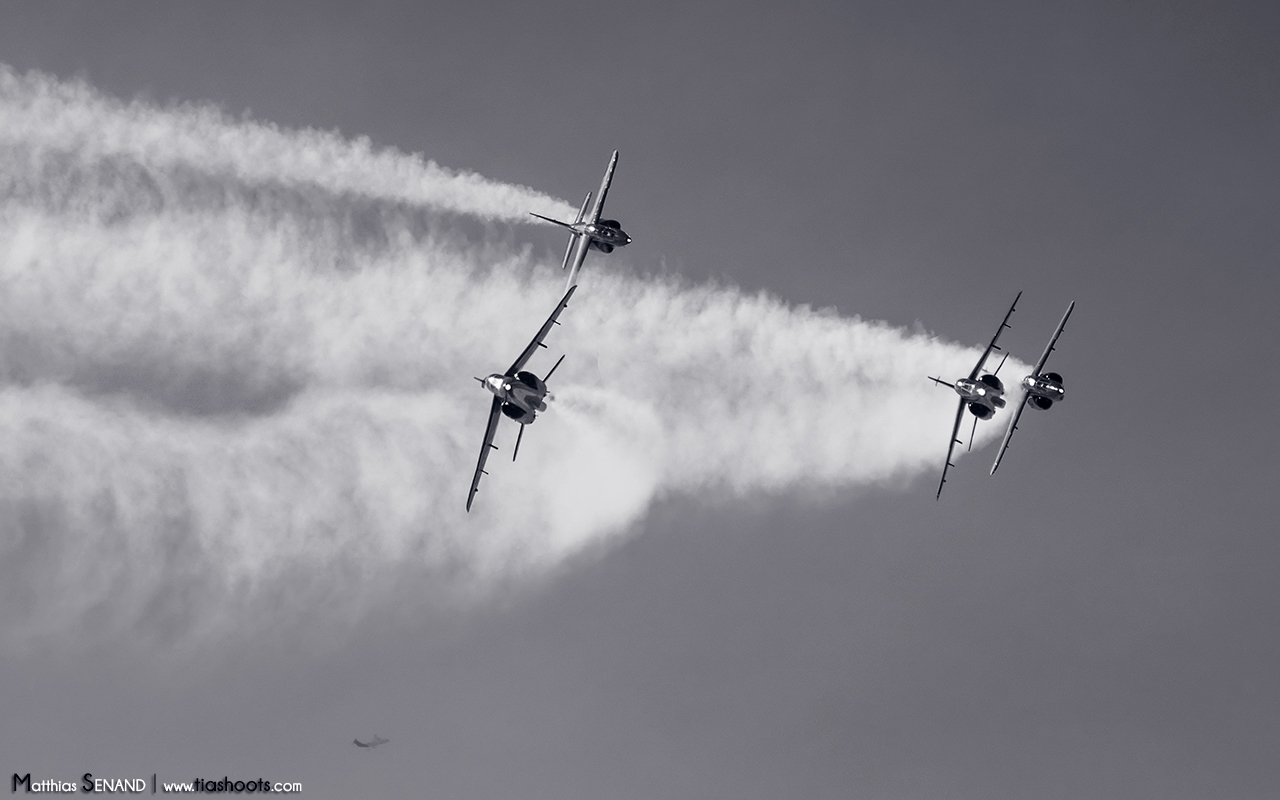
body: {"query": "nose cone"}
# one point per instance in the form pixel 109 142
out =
pixel 494 383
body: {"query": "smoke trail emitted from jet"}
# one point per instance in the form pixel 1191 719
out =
pixel 45 118
pixel 236 396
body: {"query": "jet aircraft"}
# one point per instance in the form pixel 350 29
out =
pixel 1040 390
pixel 983 395
pixel 588 230
pixel 516 394
pixel 374 742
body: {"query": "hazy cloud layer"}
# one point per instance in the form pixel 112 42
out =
pixel 236 380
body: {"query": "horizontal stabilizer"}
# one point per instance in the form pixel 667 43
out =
pixel 553 221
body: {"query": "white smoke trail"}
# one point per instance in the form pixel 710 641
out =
pixel 220 413
pixel 45 116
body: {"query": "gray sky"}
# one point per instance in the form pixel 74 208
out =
pixel 1096 621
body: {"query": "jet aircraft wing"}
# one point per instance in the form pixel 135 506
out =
pixel 542 334
pixel 955 429
pixel 575 255
pixel 1008 432
pixel 1045 355
pixel 494 411
pixel 1035 373
pixel 1003 324
pixel 604 189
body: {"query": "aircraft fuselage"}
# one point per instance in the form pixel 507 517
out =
pixel 1045 387
pixel 602 234
pixel 984 395
pixel 521 396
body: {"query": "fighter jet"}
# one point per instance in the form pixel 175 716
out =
pixel 1039 389
pixel 983 395
pixel 588 230
pixel 516 394
pixel 374 742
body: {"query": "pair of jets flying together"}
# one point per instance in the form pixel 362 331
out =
pixel 983 393
pixel 518 394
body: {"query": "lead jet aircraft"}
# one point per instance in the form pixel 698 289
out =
pixel 983 395
pixel 1040 390
pixel 516 394
pixel 588 230
pixel 374 742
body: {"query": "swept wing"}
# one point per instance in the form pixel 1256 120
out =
pixel 542 334
pixel 1008 432
pixel 494 411
pixel 1035 373
pixel 1045 355
pixel 955 429
pixel 1003 324
pixel 604 190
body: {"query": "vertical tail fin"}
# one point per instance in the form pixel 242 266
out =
pixel 582 212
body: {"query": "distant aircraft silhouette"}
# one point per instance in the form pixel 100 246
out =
pixel 374 742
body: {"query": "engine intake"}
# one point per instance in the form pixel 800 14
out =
pixel 514 411
pixel 532 381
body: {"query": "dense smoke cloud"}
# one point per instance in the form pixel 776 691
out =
pixel 236 380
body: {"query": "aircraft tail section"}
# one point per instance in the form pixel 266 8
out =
pixel 582 212
pixel 552 221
